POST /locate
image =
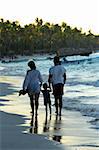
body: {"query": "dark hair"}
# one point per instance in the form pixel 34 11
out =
pixel 45 86
pixel 56 60
pixel 31 64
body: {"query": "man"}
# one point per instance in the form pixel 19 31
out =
pixel 57 76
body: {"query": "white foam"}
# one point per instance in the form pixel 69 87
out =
pixel 2 68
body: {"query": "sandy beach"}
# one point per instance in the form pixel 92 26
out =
pixel 20 130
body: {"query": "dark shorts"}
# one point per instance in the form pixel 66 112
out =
pixel 58 89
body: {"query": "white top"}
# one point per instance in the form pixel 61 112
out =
pixel 32 81
pixel 57 73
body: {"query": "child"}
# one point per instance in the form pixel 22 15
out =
pixel 46 95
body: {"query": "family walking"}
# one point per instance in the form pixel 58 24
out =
pixel 33 83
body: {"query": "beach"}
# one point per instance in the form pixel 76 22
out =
pixel 76 129
pixel 14 115
pixel 19 130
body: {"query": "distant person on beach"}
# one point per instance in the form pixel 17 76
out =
pixel 31 85
pixel 46 95
pixel 57 77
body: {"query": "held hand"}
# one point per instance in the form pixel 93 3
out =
pixel 40 85
pixel 50 88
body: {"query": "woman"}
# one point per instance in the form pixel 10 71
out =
pixel 31 84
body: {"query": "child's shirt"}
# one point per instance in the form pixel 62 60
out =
pixel 46 95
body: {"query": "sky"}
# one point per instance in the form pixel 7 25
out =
pixel 76 13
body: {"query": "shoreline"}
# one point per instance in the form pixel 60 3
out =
pixel 14 113
pixel 23 58
pixel 73 130
pixel 62 52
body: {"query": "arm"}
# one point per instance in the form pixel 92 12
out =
pixel 25 84
pixel 40 79
pixel 41 91
pixel 26 81
pixel 64 77
pixel 50 77
pixel 49 89
pixel 49 80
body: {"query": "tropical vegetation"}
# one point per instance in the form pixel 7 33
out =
pixel 40 37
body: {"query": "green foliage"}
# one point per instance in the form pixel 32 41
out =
pixel 42 37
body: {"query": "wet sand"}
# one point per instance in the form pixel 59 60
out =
pixel 20 130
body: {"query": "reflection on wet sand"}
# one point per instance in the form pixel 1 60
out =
pixel 34 124
pixel 57 127
pixel 46 124
pixel 47 127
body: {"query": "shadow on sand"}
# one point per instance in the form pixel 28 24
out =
pixel 47 127
pixel 6 89
pixel 13 138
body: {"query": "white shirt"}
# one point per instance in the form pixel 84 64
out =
pixel 32 81
pixel 57 73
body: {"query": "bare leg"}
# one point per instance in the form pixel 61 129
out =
pixel 50 108
pixel 46 109
pixel 36 103
pixel 56 105
pixel 32 103
pixel 60 104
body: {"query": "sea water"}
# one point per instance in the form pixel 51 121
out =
pixel 81 91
